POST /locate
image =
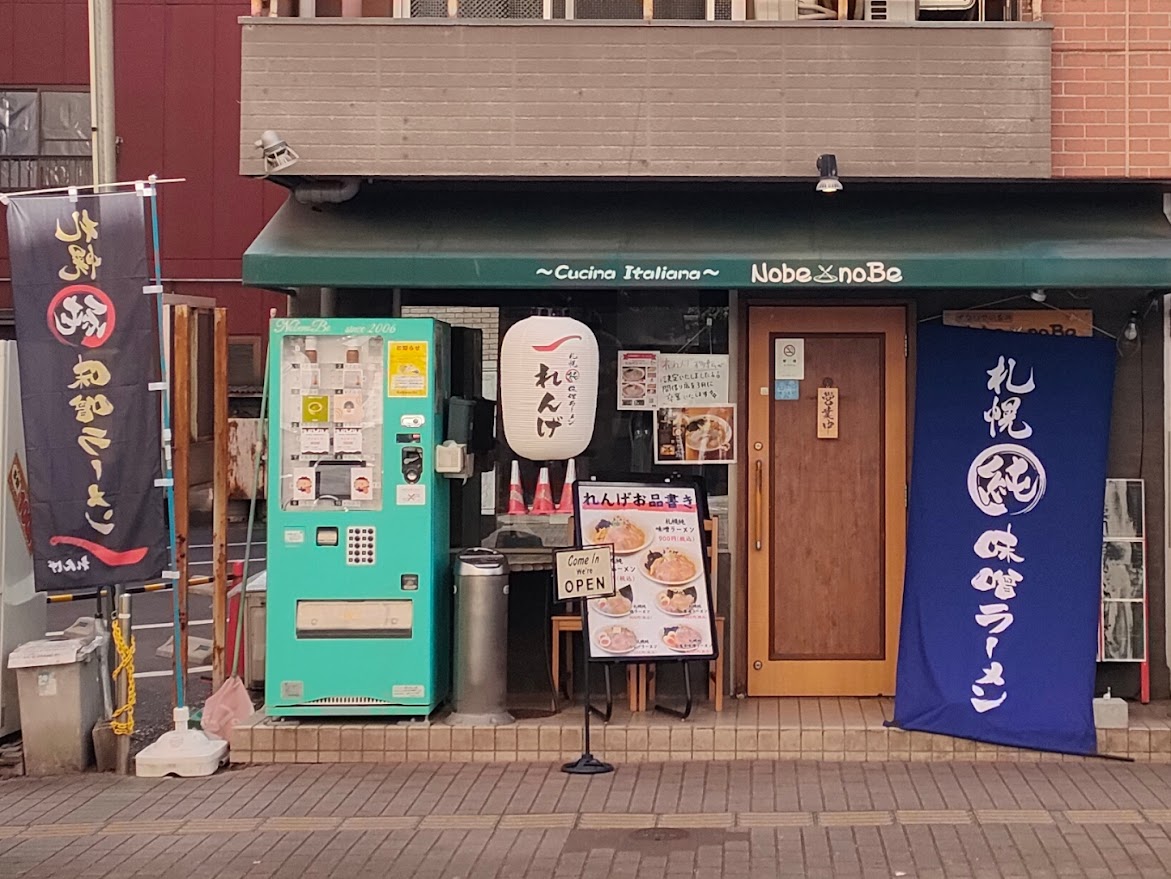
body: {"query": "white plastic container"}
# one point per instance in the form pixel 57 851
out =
pixel 60 702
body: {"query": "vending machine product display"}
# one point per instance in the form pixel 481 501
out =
pixel 359 582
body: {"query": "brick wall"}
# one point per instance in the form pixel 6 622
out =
pixel 1111 87
pixel 418 98
pixel 483 318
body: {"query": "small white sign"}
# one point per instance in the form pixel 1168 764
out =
pixel 410 495
pixel 408 691
pixel 585 573
pixel 47 683
pixel 789 359
pixel 294 535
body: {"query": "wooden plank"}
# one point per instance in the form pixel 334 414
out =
pixel 181 429
pixel 648 10
pixel 219 513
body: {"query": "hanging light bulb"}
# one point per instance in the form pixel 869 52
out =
pixel 1130 331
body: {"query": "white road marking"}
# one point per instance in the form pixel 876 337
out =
pixel 171 625
pixel 230 562
pixel 145 626
pixel 210 545
pixel 199 669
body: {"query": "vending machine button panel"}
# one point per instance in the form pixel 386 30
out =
pixel 360 545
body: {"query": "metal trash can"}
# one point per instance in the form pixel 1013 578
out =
pixel 480 675
pixel 60 702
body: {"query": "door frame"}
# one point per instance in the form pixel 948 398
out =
pixel 743 483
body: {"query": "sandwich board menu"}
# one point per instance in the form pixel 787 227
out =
pixel 662 607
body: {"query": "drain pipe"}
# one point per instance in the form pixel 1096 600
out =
pixel 326 191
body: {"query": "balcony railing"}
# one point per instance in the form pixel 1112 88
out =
pixel 39 172
pixel 895 11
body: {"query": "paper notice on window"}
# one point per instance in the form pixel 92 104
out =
pixel 693 379
pixel 638 379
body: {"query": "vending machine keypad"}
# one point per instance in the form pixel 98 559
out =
pixel 359 545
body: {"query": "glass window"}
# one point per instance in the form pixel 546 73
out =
pixel 44 139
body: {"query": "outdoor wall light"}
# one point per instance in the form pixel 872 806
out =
pixel 827 167
pixel 1038 295
pixel 1130 331
pixel 278 155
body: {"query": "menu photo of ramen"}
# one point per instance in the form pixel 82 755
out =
pixel 621 532
pixel 615 640
pixel 695 435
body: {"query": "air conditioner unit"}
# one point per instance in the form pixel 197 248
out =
pixel 902 11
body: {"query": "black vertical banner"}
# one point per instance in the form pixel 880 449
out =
pixel 87 341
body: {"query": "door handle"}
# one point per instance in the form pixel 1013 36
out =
pixel 759 503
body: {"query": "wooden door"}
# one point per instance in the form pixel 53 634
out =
pixel 827 516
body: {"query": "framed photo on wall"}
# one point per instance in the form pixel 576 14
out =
pixel 1123 625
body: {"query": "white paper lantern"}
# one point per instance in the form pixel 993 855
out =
pixel 549 387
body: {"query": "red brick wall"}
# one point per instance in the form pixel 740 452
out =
pixel 177 87
pixel 1111 87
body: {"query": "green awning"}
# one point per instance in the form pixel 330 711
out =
pixel 786 240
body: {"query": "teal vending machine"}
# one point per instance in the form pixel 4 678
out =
pixel 359 575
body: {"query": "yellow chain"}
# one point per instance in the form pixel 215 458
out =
pixel 126 665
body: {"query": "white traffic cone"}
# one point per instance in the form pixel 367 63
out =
pixel 565 505
pixel 543 499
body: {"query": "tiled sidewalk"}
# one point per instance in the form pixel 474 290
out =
pixel 703 819
pixel 748 729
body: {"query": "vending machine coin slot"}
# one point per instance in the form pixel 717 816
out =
pixel 412 463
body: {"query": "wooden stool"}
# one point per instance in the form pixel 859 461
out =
pixel 567 624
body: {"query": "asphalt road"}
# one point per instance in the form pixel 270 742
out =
pixel 153 624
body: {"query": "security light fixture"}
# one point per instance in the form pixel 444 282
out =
pixel 1038 295
pixel 278 155
pixel 827 167
pixel 1130 331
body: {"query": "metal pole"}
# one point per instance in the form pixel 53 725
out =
pixel 123 691
pixel 101 90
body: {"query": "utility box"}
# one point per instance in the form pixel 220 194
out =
pixel 255 612
pixel 60 702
